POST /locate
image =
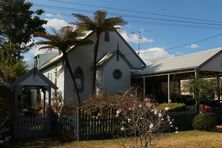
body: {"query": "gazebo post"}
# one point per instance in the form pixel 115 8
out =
pixel 218 87
pixel 168 88
pixel 44 97
pixel 49 110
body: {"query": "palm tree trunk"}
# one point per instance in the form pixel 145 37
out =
pixel 72 75
pixel 96 48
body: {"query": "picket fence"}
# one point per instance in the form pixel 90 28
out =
pixel 30 127
pixel 83 126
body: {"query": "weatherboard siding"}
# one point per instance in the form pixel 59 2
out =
pixel 111 84
pixel 82 57
pixel 124 47
pixel 49 72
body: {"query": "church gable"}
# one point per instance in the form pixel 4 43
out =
pixel 116 39
pixel 116 75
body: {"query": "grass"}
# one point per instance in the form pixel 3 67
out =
pixel 188 139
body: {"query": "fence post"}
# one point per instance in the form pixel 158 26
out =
pixel 78 123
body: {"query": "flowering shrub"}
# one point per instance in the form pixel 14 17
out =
pixel 141 119
pixel 136 117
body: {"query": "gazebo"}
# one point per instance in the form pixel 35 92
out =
pixel 29 126
pixel 160 78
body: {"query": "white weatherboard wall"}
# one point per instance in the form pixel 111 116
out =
pixel 125 49
pixel 82 57
pixel 214 65
pixel 50 71
pixel 111 84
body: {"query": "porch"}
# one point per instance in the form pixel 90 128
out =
pixel 164 79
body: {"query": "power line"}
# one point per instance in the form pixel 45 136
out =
pixel 192 24
pixel 186 44
pixel 135 11
pixel 140 17
pixel 152 23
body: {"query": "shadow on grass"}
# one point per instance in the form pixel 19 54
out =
pixel 37 143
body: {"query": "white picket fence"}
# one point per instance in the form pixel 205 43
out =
pixel 30 127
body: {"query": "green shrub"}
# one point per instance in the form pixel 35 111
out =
pixel 204 121
pixel 172 106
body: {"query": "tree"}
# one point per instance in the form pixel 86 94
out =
pixel 64 40
pixel 204 88
pixel 17 25
pixel 9 71
pixel 99 24
pixel 137 118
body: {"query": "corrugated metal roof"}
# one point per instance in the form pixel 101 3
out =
pixel 180 62
pixel 51 61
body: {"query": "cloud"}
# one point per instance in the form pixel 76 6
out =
pixel 152 55
pixel 55 15
pixel 193 46
pixel 29 56
pixel 133 38
pixel 55 23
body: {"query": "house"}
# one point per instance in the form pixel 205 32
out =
pixel 116 60
pixel 163 78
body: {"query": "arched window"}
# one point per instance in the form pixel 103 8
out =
pixel 79 78
pixel 106 36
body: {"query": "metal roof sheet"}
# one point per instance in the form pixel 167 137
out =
pixel 183 62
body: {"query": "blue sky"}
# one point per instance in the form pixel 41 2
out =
pixel 163 23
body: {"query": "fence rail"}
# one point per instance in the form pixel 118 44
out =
pixel 183 119
pixel 97 128
pixel 30 127
pixel 82 125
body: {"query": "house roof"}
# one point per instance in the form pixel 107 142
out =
pixel 55 59
pixel 108 56
pixel 178 63
pixel 33 78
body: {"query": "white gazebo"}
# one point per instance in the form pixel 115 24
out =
pixel 33 79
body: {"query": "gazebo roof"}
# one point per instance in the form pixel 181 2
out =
pixel 33 78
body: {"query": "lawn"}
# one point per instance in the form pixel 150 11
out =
pixel 188 139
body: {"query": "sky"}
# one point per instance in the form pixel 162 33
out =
pixel 167 27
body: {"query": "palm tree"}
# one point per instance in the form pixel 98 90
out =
pixel 98 24
pixel 64 40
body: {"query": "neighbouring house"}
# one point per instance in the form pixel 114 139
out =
pixel 164 79
pixel 116 61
